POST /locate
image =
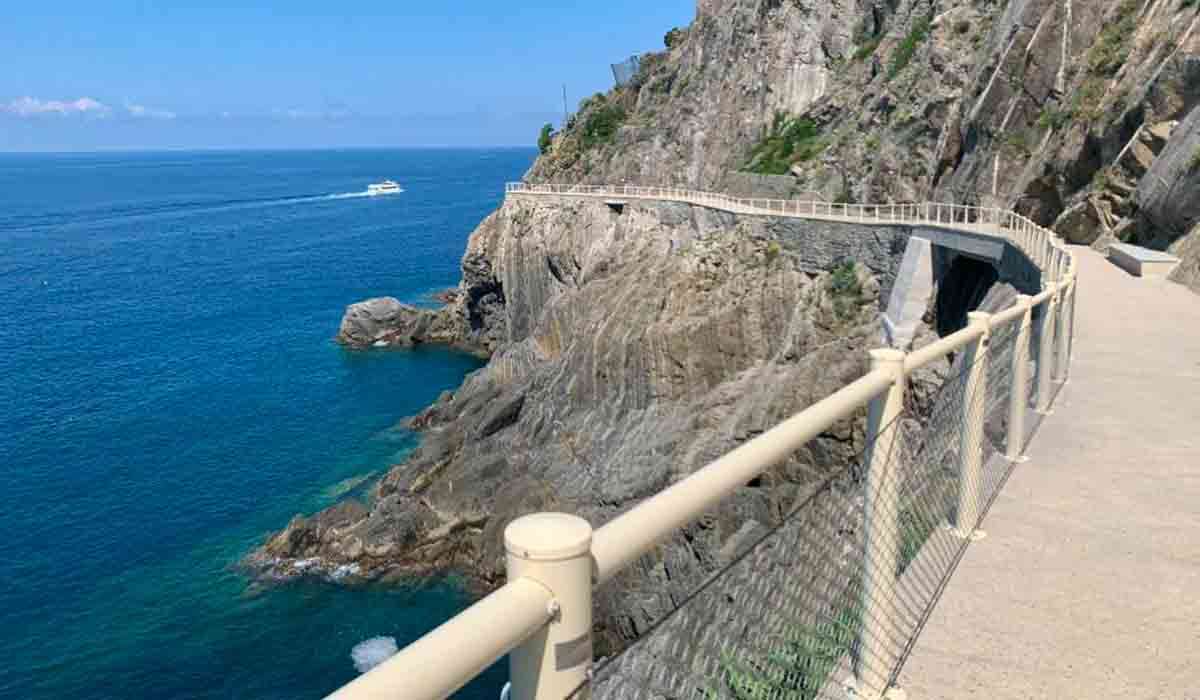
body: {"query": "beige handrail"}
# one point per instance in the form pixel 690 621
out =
pixel 447 658
pixel 634 533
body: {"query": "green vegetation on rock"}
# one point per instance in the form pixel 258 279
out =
pixel 790 140
pixel 1052 118
pixel 867 49
pixel 1112 46
pixel 773 251
pixel 908 47
pixel 845 289
pixel 1105 58
pixel 601 118
pixel 545 139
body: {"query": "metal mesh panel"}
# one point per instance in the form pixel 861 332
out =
pixel 791 616
pixel 1003 356
pixel 772 625
pixel 625 71
pixel 1060 347
pixel 798 613
pixel 1037 355
pixel 931 481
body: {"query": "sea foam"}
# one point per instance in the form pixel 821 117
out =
pixel 372 652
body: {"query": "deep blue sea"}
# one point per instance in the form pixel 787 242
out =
pixel 170 392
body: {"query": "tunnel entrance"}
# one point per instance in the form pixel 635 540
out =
pixel 961 290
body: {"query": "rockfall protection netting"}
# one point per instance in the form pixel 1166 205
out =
pixel 625 71
pixel 799 612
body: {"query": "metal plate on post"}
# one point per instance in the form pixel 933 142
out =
pixel 571 653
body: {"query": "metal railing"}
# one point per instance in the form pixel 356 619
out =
pixel 542 617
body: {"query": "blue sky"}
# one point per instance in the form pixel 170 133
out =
pixel 86 75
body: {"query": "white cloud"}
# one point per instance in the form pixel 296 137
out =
pixel 143 112
pixel 32 107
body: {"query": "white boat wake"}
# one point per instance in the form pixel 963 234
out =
pixel 346 195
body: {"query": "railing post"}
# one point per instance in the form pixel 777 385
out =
pixel 1046 352
pixel 1064 332
pixel 553 549
pixel 974 401
pixel 1019 398
pixel 1071 323
pixel 876 653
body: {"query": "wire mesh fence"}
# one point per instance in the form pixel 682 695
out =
pixel 803 610
pixel 772 624
pixel 625 71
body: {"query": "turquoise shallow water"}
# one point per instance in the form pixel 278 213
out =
pixel 169 392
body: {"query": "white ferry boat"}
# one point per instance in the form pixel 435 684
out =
pixel 385 187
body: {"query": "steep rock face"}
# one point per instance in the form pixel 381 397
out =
pixel 1168 200
pixel 635 348
pixel 693 110
pixel 1056 107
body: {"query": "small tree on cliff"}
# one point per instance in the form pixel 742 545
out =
pixel 674 37
pixel 545 139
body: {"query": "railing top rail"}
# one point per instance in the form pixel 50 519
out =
pixel 441 662
pixel 634 533
pixel 939 349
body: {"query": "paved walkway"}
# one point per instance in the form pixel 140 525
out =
pixel 1088 583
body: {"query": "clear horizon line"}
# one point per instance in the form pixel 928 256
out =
pixel 274 149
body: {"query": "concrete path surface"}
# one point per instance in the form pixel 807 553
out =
pixel 1088 583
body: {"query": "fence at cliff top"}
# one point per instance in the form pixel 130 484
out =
pixel 833 596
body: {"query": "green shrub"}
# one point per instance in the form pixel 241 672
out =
pixel 867 49
pixel 1053 119
pixel 1087 100
pixel 545 139
pixel 601 123
pixel 674 37
pixel 790 140
pixel 904 52
pixel 773 251
pixel 845 289
pixel 1111 49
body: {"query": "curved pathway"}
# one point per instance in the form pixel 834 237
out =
pixel 1088 584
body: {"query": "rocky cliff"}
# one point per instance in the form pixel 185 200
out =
pixel 630 349
pixel 627 348
pixel 1058 108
